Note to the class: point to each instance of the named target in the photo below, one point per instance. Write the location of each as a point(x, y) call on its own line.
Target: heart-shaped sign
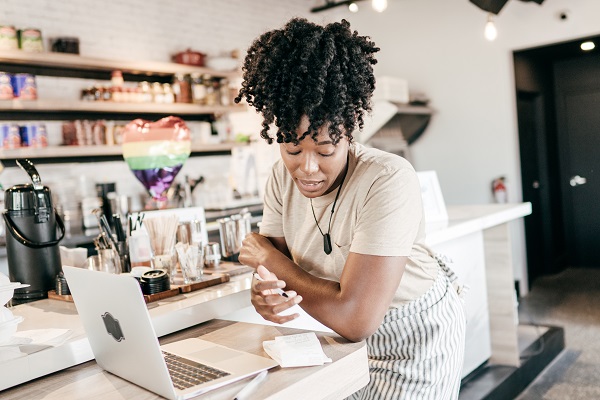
point(156, 151)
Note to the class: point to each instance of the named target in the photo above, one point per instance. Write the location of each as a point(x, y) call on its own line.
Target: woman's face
point(316, 167)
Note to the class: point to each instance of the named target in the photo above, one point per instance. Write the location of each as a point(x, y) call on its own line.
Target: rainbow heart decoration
point(156, 151)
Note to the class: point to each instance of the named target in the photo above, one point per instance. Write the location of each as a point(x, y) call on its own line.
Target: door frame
point(533, 70)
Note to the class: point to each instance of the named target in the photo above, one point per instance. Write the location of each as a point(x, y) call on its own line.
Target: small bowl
point(222, 63)
point(8, 324)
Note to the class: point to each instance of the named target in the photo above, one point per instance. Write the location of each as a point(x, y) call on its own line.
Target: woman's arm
point(354, 307)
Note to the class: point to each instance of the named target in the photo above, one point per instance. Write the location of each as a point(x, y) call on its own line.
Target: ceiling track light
point(332, 4)
point(494, 6)
point(378, 5)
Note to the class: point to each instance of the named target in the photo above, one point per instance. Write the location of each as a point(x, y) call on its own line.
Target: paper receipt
point(299, 350)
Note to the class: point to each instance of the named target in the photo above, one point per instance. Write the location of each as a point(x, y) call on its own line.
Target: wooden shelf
point(48, 105)
point(76, 66)
point(97, 153)
point(410, 109)
point(74, 61)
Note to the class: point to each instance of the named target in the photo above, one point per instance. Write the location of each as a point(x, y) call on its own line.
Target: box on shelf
point(391, 89)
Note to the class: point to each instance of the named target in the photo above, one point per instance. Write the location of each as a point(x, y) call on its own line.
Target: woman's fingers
point(270, 306)
point(268, 298)
point(265, 274)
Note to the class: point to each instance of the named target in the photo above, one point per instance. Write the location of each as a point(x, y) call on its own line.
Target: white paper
point(299, 350)
point(48, 337)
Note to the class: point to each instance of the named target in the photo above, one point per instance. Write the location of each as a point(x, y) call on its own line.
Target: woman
point(343, 226)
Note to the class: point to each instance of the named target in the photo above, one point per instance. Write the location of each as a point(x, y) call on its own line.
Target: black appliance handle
point(20, 237)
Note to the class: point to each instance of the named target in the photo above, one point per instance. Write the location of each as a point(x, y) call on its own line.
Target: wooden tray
point(149, 298)
point(64, 297)
point(230, 268)
point(206, 281)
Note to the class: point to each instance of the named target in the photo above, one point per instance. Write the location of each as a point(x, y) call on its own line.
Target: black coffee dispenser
point(33, 232)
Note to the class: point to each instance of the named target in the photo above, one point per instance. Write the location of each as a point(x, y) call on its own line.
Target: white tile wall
point(140, 30)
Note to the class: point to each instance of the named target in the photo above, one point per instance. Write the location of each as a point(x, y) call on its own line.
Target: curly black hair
point(323, 72)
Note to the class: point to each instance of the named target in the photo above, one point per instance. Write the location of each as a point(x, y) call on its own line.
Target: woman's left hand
point(255, 250)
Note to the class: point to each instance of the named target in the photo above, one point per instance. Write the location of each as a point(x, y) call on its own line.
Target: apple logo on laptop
point(113, 327)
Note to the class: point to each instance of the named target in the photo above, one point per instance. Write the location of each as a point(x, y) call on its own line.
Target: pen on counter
point(279, 291)
point(251, 386)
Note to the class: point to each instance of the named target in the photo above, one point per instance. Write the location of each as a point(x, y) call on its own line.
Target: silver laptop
point(123, 340)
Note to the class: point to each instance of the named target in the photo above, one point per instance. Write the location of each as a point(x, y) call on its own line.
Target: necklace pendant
point(327, 243)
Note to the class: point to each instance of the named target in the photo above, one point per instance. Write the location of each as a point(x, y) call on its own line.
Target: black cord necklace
point(326, 236)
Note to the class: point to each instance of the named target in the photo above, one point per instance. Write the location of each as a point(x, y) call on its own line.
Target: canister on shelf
point(42, 136)
point(31, 40)
point(8, 38)
point(24, 86)
point(11, 137)
point(65, 45)
point(28, 135)
point(6, 89)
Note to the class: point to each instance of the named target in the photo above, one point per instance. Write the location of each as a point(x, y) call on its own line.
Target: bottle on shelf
point(181, 89)
point(116, 78)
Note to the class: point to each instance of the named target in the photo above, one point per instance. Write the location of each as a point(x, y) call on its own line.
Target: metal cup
point(189, 232)
point(232, 231)
point(212, 255)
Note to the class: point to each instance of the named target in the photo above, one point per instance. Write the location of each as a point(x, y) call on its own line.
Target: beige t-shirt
point(378, 212)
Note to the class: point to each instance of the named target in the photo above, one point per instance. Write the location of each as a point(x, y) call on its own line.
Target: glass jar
point(146, 91)
point(211, 93)
point(224, 98)
point(169, 96)
point(198, 89)
point(157, 93)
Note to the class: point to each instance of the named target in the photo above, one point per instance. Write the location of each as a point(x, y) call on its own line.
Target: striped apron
point(417, 352)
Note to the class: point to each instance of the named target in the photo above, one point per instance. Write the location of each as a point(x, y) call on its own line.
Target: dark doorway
point(553, 104)
point(577, 96)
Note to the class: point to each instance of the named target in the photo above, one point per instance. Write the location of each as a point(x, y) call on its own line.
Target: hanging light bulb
point(587, 46)
point(490, 32)
point(353, 7)
point(379, 5)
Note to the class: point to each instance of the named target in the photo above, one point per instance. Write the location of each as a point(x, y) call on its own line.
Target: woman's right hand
point(267, 299)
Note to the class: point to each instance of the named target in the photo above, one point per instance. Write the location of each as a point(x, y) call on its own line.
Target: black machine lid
point(23, 197)
point(34, 196)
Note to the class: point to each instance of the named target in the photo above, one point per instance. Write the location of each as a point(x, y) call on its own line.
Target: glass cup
point(93, 263)
point(167, 262)
point(191, 261)
point(107, 260)
point(110, 261)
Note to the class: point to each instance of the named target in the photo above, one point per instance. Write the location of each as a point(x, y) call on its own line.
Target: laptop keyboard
point(186, 373)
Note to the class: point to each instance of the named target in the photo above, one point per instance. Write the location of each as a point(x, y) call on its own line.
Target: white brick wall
point(152, 29)
point(142, 30)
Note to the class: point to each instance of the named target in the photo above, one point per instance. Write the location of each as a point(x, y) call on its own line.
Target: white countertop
point(18, 365)
point(24, 363)
point(466, 219)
